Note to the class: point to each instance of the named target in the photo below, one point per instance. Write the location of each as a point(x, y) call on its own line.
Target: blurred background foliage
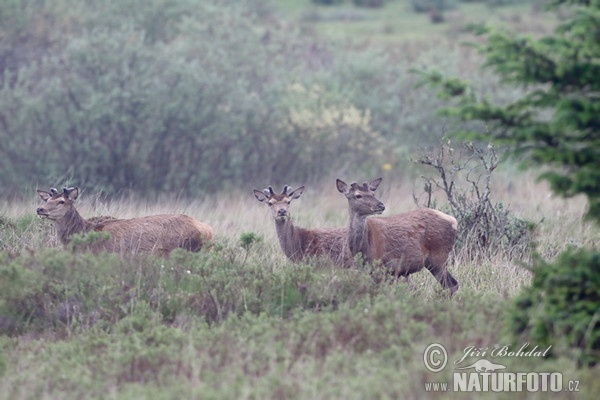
point(189, 96)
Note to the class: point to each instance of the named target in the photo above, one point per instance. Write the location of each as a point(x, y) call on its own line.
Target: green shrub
point(146, 100)
point(133, 112)
point(562, 307)
point(55, 290)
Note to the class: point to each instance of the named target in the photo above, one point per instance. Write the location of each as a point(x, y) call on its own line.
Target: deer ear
point(287, 190)
point(342, 186)
point(296, 193)
point(260, 196)
point(71, 193)
point(44, 195)
point(375, 184)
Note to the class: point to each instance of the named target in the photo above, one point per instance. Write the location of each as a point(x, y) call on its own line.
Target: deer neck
point(71, 224)
point(358, 235)
point(290, 239)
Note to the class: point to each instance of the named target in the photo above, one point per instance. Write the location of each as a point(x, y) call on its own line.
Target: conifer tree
point(556, 124)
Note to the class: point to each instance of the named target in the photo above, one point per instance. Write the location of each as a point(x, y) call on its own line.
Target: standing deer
point(299, 243)
point(404, 243)
point(159, 234)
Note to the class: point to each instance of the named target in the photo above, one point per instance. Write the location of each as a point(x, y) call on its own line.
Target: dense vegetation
point(192, 96)
point(185, 96)
point(555, 124)
point(242, 321)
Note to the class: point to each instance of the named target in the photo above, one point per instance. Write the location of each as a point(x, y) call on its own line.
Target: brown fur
point(300, 243)
point(404, 243)
point(159, 234)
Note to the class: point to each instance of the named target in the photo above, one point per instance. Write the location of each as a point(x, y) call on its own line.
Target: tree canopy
point(556, 124)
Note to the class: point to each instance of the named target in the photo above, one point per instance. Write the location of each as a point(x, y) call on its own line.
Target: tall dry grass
point(559, 222)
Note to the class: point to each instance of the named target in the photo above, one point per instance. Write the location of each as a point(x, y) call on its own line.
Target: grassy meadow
point(242, 322)
point(396, 23)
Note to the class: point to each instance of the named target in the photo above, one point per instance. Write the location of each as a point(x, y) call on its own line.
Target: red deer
point(159, 234)
point(300, 243)
point(404, 243)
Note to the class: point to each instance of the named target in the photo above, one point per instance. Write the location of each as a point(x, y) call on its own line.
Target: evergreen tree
point(557, 123)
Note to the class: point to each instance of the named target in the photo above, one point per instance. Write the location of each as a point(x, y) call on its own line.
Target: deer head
point(58, 203)
point(361, 198)
point(279, 203)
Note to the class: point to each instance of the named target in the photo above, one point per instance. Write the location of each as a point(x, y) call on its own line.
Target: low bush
point(485, 228)
point(562, 307)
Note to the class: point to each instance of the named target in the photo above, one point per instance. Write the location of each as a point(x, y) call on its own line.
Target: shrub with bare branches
point(485, 228)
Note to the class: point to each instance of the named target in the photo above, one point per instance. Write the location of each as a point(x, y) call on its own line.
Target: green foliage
point(562, 307)
point(80, 291)
point(236, 321)
point(247, 239)
point(555, 123)
point(137, 101)
point(198, 322)
point(146, 100)
point(85, 241)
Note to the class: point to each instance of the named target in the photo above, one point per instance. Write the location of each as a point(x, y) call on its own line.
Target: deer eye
point(359, 196)
point(61, 202)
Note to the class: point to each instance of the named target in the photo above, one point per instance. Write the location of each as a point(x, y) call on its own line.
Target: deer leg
point(443, 277)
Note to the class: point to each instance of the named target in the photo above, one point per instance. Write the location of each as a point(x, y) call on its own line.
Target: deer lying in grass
point(300, 243)
point(404, 243)
point(159, 234)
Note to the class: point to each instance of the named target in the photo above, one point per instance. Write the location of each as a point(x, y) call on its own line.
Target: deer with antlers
point(301, 243)
point(403, 243)
point(159, 234)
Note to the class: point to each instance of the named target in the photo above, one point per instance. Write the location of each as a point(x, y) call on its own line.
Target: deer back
point(406, 241)
point(411, 238)
point(157, 233)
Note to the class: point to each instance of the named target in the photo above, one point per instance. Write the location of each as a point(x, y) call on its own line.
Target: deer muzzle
point(379, 208)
